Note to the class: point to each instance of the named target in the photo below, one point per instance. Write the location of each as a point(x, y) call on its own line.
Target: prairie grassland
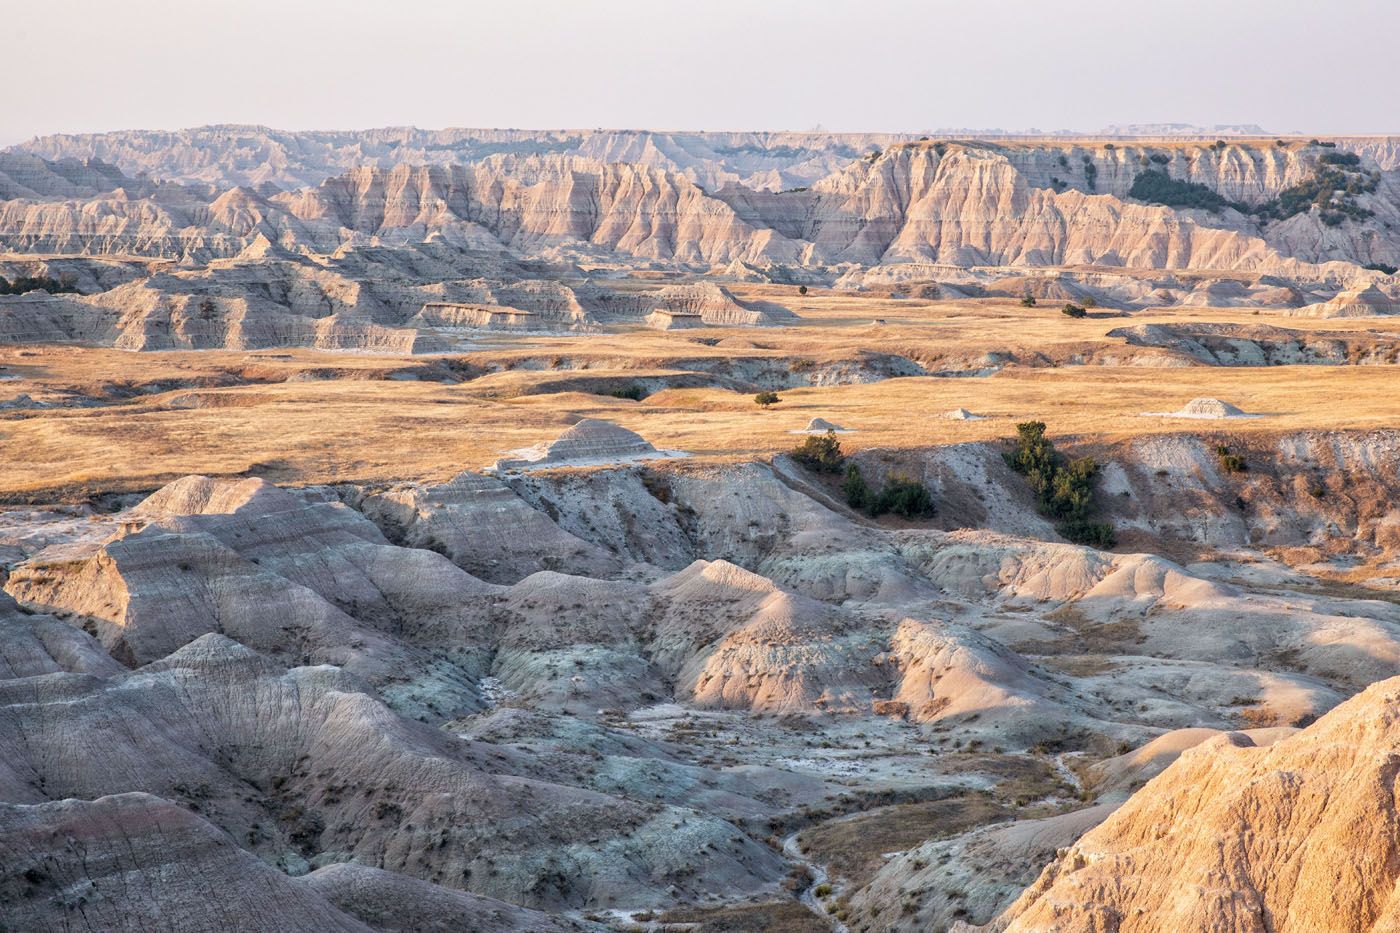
point(125, 421)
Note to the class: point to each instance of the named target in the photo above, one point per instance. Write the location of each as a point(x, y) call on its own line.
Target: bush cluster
point(1064, 490)
point(23, 284)
point(1157, 187)
point(1230, 462)
point(820, 453)
point(900, 496)
point(764, 399)
point(1072, 310)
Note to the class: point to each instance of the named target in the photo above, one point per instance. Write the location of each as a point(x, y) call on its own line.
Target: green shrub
point(764, 399)
point(1090, 534)
point(1381, 267)
point(802, 289)
point(634, 392)
point(904, 497)
point(1073, 311)
point(1230, 462)
point(1064, 491)
point(1339, 158)
point(820, 453)
point(855, 489)
point(1028, 301)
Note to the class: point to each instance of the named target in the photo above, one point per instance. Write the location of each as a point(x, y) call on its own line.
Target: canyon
point(651, 531)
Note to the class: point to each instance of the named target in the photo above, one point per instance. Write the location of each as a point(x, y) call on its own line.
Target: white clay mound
point(1205, 408)
point(821, 426)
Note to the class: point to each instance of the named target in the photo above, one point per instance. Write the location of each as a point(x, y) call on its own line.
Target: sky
point(1315, 66)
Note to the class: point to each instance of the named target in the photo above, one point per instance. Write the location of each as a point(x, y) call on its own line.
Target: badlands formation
point(505, 530)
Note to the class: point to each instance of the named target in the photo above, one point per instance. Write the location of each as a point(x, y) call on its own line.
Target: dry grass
point(853, 848)
point(780, 917)
point(360, 425)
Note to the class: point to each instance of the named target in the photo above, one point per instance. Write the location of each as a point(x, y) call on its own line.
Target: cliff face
point(914, 211)
point(257, 155)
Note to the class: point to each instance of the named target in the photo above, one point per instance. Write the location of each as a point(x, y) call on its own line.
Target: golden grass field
point(307, 416)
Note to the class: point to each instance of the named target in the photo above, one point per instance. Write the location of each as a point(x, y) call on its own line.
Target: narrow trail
point(1066, 772)
point(819, 877)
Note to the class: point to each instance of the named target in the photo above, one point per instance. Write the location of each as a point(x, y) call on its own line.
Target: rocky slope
point(1298, 835)
point(337, 698)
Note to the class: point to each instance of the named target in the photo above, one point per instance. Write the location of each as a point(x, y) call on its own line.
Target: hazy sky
point(1325, 66)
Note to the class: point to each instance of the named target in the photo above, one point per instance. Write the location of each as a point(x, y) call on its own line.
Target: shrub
point(1381, 267)
point(802, 289)
point(1230, 462)
point(1161, 158)
point(903, 497)
point(855, 489)
point(764, 399)
point(634, 392)
point(1090, 534)
point(1089, 301)
point(1028, 301)
point(820, 453)
point(1340, 158)
point(1073, 311)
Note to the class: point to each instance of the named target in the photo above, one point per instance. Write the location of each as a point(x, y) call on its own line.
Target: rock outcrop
point(1291, 837)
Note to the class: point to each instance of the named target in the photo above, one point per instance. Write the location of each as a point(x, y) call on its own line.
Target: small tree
point(1090, 301)
point(820, 453)
point(1028, 301)
point(765, 399)
point(802, 289)
point(855, 490)
point(1074, 311)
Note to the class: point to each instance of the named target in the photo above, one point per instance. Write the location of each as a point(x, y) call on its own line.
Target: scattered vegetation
point(766, 399)
point(1381, 267)
point(1028, 301)
point(1161, 158)
point(23, 284)
point(1332, 188)
point(1072, 310)
point(900, 495)
point(1091, 174)
point(1230, 462)
point(1064, 490)
point(820, 453)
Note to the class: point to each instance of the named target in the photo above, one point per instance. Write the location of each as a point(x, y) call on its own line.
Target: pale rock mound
point(590, 442)
point(1205, 408)
point(962, 414)
point(821, 426)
